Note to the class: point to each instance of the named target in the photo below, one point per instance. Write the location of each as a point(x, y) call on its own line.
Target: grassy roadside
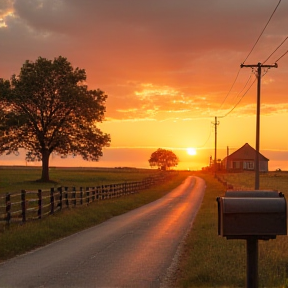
point(212, 261)
point(20, 239)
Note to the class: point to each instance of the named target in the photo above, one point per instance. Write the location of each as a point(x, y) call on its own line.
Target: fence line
point(230, 186)
point(32, 205)
point(224, 182)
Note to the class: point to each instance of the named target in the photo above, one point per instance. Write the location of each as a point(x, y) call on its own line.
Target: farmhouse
point(244, 159)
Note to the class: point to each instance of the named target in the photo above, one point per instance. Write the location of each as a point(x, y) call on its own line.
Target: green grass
point(271, 180)
point(209, 260)
point(19, 239)
point(14, 179)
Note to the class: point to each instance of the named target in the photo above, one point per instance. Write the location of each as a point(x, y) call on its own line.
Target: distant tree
point(163, 159)
point(48, 108)
point(2, 118)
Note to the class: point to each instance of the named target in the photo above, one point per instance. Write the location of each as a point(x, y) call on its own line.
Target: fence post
point(66, 197)
point(39, 204)
point(115, 190)
point(98, 192)
point(106, 191)
point(52, 201)
point(93, 193)
point(122, 189)
point(23, 205)
point(87, 195)
point(109, 191)
point(81, 195)
point(74, 196)
point(60, 197)
point(8, 208)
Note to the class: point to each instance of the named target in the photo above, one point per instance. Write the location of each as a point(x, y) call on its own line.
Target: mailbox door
point(249, 216)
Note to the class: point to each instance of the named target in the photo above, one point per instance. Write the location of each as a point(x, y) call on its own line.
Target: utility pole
point(252, 242)
point(259, 67)
point(227, 158)
point(216, 123)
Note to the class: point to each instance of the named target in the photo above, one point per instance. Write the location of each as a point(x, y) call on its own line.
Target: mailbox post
point(252, 262)
point(252, 216)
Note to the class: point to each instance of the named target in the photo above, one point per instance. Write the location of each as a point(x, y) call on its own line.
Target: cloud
point(5, 10)
point(189, 51)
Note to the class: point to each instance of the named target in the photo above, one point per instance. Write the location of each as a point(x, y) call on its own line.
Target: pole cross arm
point(260, 65)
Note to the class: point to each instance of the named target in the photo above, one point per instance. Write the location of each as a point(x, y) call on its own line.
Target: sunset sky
point(167, 67)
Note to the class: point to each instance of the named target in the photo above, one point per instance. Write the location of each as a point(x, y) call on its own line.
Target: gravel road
point(137, 249)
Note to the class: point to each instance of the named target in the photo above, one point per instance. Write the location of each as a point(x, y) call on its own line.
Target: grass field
point(271, 180)
point(14, 179)
point(208, 260)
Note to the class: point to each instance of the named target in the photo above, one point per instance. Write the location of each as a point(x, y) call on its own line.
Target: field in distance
point(14, 178)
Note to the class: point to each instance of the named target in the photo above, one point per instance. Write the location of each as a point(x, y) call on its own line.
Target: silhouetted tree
point(48, 108)
point(163, 159)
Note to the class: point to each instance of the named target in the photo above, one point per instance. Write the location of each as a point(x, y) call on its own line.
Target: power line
point(281, 56)
point(230, 89)
point(238, 101)
point(238, 95)
point(262, 32)
point(207, 139)
point(216, 123)
point(244, 93)
point(245, 61)
point(275, 50)
point(244, 85)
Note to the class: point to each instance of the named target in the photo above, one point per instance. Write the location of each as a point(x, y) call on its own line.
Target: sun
point(191, 151)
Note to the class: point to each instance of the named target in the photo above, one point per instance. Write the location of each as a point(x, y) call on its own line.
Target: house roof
point(246, 152)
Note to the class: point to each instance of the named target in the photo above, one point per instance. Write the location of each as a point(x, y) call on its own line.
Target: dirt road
point(136, 249)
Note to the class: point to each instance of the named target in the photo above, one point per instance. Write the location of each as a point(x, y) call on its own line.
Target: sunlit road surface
point(137, 249)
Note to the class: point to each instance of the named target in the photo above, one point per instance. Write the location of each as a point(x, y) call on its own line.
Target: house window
point(249, 165)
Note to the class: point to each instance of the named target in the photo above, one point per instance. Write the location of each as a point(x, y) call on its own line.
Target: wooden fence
point(227, 185)
point(32, 205)
point(230, 186)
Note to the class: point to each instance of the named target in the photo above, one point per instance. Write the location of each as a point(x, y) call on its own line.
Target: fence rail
point(32, 205)
point(230, 186)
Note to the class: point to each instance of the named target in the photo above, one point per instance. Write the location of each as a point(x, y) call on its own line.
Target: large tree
point(49, 108)
point(163, 159)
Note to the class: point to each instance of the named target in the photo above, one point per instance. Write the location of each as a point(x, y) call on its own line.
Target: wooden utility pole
point(216, 123)
point(252, 242)
point(259, 67)
point(227, 159)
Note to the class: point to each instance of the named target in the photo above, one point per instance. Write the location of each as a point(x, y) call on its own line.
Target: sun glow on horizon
point(191, 151)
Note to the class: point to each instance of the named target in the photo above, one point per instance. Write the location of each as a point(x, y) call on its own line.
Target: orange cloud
point(167, 66)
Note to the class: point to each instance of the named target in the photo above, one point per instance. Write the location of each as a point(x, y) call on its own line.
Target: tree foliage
point(49, 108)
point(163, 159)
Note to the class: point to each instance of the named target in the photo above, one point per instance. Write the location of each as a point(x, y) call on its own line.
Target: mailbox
point(252, 213)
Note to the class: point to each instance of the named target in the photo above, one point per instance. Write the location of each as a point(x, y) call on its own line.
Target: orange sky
point(167, 67)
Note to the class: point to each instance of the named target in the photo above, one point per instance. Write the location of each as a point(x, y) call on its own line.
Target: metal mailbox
point(242, 214)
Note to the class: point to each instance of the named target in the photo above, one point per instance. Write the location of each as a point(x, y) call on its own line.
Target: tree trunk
point(45, 166)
